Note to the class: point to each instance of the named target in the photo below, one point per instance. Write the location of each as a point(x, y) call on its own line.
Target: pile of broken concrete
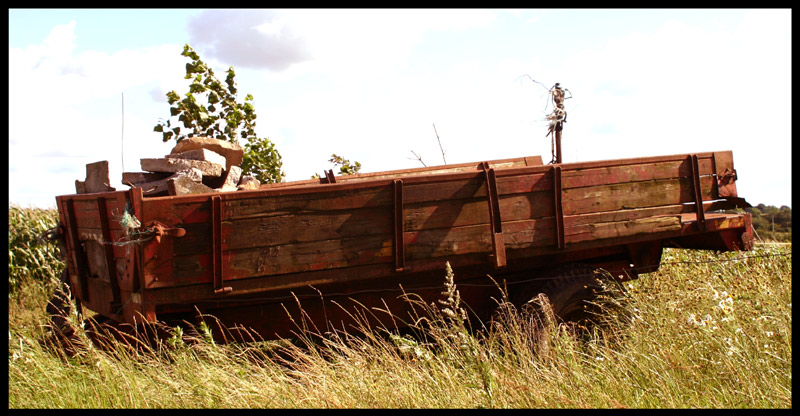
point(196, 165)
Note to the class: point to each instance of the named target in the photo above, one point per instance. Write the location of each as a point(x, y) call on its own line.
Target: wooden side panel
point(108, 269)
point(296, 230)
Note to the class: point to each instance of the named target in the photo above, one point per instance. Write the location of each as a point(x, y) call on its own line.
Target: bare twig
point(440, 143)
point(549, 91)
point(529, 77)
point(418, 158)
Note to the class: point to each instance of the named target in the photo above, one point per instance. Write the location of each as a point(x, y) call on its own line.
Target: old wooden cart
point(343, 242)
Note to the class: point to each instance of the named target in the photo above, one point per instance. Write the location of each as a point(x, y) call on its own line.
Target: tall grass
point(705, 331)
point(28, 258)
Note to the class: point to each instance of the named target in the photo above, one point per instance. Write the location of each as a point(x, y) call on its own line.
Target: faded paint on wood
point(86, 214)
point(631, 173)
point(293, 204)
point(632, 195)
point(347, 227)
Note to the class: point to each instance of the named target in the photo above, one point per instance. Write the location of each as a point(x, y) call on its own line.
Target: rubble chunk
point(226, 188)
point(199, 154)
point(231, 180)
point(142, 177)
point(248, 182)
point(177, 165)
point(161, 186)
point(233, 176)
point(96, 179)
point(232, 152)
point(186, 186)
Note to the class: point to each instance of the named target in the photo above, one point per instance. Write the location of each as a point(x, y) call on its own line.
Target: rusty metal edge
point(399, 231)
point(698, 196)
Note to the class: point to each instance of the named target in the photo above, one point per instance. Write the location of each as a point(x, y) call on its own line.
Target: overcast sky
point(370, 84)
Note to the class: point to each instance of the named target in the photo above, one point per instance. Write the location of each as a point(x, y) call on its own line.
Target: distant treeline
point(772, 223)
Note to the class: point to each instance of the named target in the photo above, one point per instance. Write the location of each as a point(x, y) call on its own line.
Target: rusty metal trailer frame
point(249, 257)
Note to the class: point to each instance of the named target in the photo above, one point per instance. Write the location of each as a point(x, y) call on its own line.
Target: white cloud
point(60, 101)
point(685, 89)
point(247, 39)
point(346, 82)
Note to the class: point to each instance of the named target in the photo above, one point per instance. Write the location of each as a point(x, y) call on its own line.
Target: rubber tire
point(570, 294)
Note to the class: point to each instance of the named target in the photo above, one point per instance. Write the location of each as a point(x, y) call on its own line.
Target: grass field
point(705, 331)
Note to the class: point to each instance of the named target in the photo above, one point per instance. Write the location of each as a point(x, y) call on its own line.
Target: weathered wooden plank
point(306, 227)
point(631, 173)
point(613, 229)
point(172, 211)
point(312, 201)
point(464, 167)
point(86, 214)
point(96, 234)
point(625, 214)
point(632, 195)
point(463, 212)
point(473, 187)
point(318, 255)
point(448, 242)
point(453, 168)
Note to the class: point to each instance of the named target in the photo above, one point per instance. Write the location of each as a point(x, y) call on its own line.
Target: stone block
point(96, 179)
point(249, 182)
point(232, 177)
point(186, 186)
point(177, 165)
point(161, 187)
point(199, 154)
point(232, 152)
point(226, 188)
point(133, 178)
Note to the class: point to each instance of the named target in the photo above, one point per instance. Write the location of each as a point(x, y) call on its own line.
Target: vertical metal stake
point(495, 221)
point(399, 227)
point(216, 245)
point(559, 209)
point(698, 196)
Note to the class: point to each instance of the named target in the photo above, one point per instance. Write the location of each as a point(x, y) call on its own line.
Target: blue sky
point(369, 85)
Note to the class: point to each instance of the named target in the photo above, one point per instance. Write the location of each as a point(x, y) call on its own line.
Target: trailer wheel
point(570, 295)
point(61, 332)
point(60, 305)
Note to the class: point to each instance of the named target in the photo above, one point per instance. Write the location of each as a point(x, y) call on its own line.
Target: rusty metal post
point(559, 127)
point(399, 230)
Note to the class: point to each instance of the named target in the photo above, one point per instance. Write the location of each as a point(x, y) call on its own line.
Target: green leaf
point(172, 97)
point(159, 128)
point(197, 87)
